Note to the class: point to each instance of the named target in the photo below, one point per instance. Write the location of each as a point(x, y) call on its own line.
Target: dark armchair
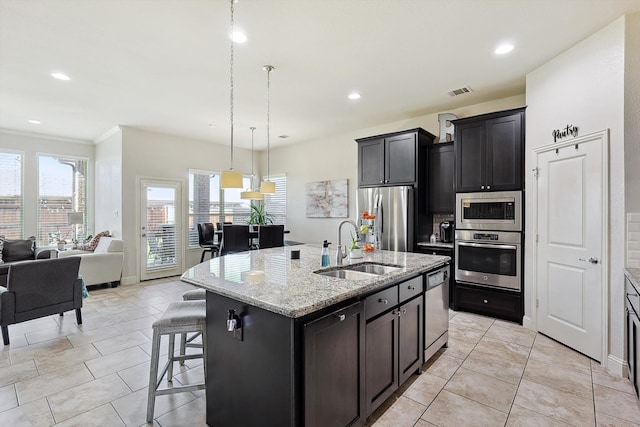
point(40, 288)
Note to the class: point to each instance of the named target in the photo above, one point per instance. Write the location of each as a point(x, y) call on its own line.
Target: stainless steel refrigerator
point(392, 228)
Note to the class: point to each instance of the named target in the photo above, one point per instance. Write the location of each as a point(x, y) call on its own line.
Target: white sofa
point(103, 265)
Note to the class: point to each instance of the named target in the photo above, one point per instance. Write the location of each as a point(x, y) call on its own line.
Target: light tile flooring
point(493, 373)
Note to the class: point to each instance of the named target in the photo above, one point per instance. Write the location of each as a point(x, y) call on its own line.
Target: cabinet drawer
point(380, 302)
point(410, 288)
point(476, 299)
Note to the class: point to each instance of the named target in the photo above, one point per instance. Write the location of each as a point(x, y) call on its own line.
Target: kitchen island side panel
point(250, 382)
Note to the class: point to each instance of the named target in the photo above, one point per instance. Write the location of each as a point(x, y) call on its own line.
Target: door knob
point(144, 234)
point(593, 260)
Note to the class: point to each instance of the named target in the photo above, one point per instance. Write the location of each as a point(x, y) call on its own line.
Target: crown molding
point(44, 136)
point(108, 134)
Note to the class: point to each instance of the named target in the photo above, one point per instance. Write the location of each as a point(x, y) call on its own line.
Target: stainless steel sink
point(372, 268)
point(359, 271)
point(347, 274)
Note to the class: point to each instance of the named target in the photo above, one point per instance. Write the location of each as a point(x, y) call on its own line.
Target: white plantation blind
point(11, 197)
point(276, 204)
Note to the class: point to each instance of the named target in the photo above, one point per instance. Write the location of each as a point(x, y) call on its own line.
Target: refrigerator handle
point(380, 214)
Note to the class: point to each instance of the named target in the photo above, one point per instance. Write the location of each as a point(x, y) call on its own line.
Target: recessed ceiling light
point(211, 125)
point(354, 95)
point(502, 49)
point(60, 76)
point(34, 122)
point(238, 37)
point(283, 136)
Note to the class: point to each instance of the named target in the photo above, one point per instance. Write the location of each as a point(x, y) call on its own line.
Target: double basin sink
point(360, 271)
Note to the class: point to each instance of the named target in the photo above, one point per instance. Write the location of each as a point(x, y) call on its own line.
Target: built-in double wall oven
point(488, 239)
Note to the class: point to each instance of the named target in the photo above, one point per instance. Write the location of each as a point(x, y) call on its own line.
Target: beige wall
point(108, 186)
point(585, 86)
point(337, 158)
point(166, 157)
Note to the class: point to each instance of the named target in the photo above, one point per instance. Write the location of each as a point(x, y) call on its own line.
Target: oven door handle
point(487, 245)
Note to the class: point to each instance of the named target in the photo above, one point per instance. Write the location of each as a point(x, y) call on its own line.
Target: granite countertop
point(633, 274)
point(271, 280)
point(436, 245)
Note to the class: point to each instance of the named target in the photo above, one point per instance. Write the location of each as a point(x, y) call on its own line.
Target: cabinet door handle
point(382, 181)
point(486, 301)
point(488, 187)
point(341, 317)
point(482, 187)
point(384, 301)
point(411, 288)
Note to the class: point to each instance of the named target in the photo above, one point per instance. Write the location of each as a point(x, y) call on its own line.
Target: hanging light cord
point(268, 68)
point(231, 80)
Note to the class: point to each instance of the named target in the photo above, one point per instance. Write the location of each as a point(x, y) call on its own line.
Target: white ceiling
point(163, 65)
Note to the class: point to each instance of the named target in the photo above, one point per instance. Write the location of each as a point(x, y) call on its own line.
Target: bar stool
point(185, 341)
point(179, 318)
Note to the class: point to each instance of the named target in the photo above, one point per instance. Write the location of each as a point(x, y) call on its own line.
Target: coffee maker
point(446, 231)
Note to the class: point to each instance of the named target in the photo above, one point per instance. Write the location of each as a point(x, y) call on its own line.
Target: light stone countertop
point(633, 274)
point(271, 280)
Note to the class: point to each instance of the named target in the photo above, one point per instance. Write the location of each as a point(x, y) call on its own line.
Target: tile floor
point(493, 373)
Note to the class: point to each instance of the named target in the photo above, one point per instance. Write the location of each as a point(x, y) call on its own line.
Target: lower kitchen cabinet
point(489, 302)
point(334, 368)
point(633, 333)
point(394, 340)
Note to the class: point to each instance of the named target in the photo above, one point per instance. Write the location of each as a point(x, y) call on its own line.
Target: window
point(11, 201)
point(62, 189)
point(276, 204)
point(208, 203)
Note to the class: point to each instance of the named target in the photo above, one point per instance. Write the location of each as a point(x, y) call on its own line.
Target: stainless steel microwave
point(489, 211)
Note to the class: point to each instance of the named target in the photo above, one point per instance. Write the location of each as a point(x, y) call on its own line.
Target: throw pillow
point(91, 246)
point(18, 250)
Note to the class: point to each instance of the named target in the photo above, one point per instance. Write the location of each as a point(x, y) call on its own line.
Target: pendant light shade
point(231, 178)
point(250, 194)
point(266, 186)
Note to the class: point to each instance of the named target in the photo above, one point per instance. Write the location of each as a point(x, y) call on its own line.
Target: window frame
point(22, 155)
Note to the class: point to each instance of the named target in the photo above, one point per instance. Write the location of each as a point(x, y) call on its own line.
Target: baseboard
point(131, 280)
point(617, 366)
point(527, 323)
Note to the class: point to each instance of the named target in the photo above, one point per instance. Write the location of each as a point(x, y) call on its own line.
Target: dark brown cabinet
point(441, 171)
point(390, 159)
point(334, 369)
point(489, 302)
point(489, 152)
point(394, 339)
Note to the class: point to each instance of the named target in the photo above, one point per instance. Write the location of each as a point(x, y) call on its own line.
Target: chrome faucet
point(340, 254)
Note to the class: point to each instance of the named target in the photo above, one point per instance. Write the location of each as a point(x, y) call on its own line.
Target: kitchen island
point(286, 346)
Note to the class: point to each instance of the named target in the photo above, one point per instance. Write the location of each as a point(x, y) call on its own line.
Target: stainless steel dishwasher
point(436, 312)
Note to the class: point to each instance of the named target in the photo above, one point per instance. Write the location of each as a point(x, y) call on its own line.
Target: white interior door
point(571, 249)
point(160, 225)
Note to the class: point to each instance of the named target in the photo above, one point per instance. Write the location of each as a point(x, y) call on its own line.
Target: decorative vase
point(355, 253)
point(60, 246)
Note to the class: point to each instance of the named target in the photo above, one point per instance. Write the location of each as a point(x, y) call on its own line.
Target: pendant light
point(251, 194)
point(231, 178)
point(268, 187)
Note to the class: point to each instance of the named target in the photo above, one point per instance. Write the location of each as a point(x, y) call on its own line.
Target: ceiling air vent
point(460, 91)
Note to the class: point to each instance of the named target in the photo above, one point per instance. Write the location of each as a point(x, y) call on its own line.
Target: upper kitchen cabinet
point(441, 188)
point(489, 153)
point(390, 159)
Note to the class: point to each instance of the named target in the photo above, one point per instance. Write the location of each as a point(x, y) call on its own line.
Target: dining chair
point(270, 236)
point(235, 238)
point(206, 239)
